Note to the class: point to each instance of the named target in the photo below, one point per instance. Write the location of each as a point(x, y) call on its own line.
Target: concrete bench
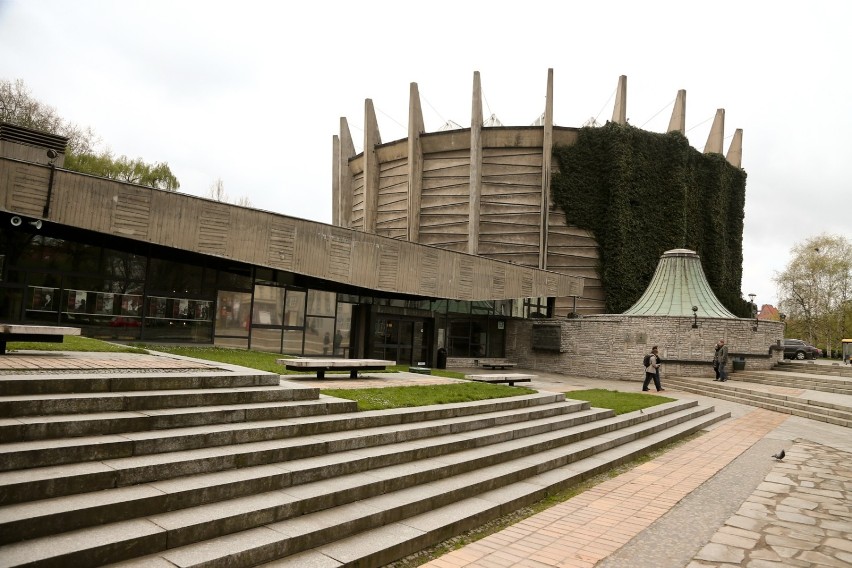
point(420, 370)
point(34, 333)
point(497, 365)
point(510, 378)
point(320, 366)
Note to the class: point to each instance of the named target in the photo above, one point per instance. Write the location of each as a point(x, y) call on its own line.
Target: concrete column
point(717, 134)
point(546, 159)
point(475, 166)
point(678, 120)
point(372, 138)
point(335, 180)
point(346, 152)
point(415, 162)
point(735, 150)
point(619, 111)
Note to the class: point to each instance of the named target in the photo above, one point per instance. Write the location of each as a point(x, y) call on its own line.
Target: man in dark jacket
point(722, 356)
point(652, 371)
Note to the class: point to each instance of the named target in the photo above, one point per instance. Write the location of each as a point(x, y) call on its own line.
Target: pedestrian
point(722, 356)
point(652, 371)
point(716, 359)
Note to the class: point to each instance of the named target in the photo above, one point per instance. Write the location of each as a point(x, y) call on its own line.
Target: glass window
point(266, 339)
point(318, 336)
point(268, 305)
point(343, 326)
point(124, 270)
point(294, 309)
point(235, 278)
point(175, 277)
point(232, 313)
point(321, 303)
point(293, 341)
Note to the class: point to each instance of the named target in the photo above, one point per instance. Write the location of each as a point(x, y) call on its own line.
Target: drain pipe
point(52, 155)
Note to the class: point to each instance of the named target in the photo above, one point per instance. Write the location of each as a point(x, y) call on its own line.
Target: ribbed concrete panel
point(281, 237)
point(358, 201)
point(30, 190)
point(132, 212)
point(678, 284)
point(392, 212)
point(215, 222)
point(444, 201)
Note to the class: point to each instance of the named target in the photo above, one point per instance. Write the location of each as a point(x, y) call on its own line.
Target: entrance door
point(401, 340)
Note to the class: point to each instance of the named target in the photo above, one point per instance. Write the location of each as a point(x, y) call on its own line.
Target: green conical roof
point(678, 284)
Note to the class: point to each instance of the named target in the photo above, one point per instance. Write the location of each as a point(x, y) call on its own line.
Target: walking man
point(722, 355)
point(652, 371)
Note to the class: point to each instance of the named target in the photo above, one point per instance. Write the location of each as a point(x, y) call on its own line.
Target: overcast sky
point(252, 92)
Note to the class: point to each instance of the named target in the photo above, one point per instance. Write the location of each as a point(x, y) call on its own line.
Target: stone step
point(838, 370)
point(393, 541)
point(798, 380)
point(35, 518)
point(310, 436)
point(77, 425)
point(361, 501)
point(788, 404)
point(11, 385)
point(81, 403)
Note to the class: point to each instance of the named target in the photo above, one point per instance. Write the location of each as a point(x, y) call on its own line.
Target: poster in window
point(44, 299)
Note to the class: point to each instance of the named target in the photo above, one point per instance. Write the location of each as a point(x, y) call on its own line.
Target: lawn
point(620, 402)
point(424, 395)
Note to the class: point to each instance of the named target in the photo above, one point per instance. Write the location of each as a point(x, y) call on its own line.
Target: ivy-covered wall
point(642, 193)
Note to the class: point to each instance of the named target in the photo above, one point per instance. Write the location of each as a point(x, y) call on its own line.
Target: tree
point(18, 106)
point(137, 171)
point(815, 290)
point(217, 192)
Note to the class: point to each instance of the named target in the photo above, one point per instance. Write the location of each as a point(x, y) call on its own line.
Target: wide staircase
point(834, 370)
point(781, 390)
point(240, 469)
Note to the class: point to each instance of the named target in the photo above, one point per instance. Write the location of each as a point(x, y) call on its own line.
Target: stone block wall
point(612, 346)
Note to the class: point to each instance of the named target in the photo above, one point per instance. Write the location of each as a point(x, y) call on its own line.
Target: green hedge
point(643, 193)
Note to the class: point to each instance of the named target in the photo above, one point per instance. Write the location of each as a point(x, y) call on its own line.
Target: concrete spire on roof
point(678, 284)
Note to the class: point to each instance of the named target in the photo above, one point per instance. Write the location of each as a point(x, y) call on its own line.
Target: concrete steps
point(836, 370)
point(733, 391)
point(219, 491)
point(797, 378)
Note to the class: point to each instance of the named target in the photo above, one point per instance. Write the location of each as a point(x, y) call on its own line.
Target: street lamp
point(694, 317)
point(753, 310)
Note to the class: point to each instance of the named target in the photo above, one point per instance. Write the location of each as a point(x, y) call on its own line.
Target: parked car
point(798, 349)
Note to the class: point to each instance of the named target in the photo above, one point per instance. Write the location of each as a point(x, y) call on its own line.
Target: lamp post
point(753, 310)
point(694, 317)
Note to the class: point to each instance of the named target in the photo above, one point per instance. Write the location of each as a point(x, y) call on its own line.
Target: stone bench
point(497, 365)
point(420, 370)
point(34, 333)
point(320, 366)
point(510, 378)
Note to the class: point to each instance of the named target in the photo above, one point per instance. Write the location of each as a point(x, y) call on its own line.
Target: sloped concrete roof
point(678, 284)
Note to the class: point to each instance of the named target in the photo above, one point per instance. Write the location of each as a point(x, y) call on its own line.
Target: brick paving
point(67, 361)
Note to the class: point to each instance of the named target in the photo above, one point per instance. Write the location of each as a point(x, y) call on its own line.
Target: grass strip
point(620, 402)
point(424, 395)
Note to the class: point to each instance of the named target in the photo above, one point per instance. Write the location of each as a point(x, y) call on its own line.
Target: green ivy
point(642, 193)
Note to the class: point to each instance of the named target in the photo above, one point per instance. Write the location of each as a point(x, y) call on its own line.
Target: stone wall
point(612, 346)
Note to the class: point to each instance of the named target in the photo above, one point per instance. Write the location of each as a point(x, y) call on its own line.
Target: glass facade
point(126, 290)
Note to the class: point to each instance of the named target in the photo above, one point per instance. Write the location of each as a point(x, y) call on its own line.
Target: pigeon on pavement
point(779, 456)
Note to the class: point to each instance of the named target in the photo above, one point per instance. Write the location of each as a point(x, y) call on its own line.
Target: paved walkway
point(719, 500)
